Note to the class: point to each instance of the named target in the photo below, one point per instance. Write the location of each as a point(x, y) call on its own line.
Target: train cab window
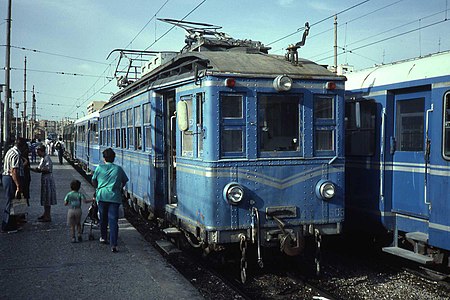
point(200, 131)
point(446, 142)
point(278, 123)
point(324, 125)
point(147, 127)
point(187, 135)
point(360, 128)
point(323, 108)
point(137, 128)
point(232, 125)
point(231, 106)
point(410, 125)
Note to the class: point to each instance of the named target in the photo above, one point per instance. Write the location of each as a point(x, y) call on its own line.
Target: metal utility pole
point(24, 121)
point(33, 114)
point(6, 122)
point(335, 44)
point(17, 120)
point(1, 119)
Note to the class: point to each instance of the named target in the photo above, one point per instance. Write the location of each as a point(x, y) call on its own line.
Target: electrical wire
point(173, 26)
point(56, 54)
point(318, 22)
point(153, 17)
point(386, 39)
point(378, 34)
point(55, 72)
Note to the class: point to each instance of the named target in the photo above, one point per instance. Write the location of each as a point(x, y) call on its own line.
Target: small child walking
point(74, 198)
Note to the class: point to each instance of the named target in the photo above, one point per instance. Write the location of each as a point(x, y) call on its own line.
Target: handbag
point(18, 206)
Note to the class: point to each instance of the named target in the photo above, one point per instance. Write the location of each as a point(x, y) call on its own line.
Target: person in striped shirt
point(12, 170)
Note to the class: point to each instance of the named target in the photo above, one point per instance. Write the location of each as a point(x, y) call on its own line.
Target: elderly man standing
point(12, 168)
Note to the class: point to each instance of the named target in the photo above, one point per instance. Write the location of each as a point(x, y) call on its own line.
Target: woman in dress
point(48, 190)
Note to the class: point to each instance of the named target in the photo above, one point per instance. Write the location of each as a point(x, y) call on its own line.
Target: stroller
point(91, 219)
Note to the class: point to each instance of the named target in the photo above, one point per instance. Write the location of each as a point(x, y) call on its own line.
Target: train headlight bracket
point(233, 193)
point(325, 189)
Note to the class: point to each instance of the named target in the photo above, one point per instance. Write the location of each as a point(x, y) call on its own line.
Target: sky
point(66, 42)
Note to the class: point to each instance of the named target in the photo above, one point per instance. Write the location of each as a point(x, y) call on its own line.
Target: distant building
point(341, 69)
point(94, 106)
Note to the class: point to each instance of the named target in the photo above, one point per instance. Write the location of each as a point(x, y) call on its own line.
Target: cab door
point(408, 149)
point(170, 146)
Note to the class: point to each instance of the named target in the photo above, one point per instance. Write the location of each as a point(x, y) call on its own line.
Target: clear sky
point(66, 42)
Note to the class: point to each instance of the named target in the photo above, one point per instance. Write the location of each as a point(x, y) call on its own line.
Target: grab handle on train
point(393, 145)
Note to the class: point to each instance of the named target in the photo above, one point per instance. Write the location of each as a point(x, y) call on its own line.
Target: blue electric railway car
point(232, 145)
point(398, 155)
point(86, 148)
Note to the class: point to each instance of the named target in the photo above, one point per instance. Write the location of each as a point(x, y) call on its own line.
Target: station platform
point(40, 262)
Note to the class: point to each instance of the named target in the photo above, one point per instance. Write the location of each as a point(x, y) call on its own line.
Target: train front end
point(262, 158)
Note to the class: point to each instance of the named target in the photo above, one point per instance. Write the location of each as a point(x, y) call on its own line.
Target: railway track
point(347, 273)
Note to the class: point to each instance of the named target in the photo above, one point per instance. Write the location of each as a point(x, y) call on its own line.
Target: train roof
point(232, 62)
point(432, 66)
point(91, 116)
point(238, 61)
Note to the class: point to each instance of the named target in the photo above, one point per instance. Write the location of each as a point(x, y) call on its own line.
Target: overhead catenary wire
point(56, 54)
point(173, 26)
point(384, 32)
point(318, 22)
point(189, 13)
point(54, 72)
point(347, 22)
point(387, 38)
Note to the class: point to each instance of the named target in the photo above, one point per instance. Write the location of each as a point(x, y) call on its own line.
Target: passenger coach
point(232, 145)
point(86, 148)
point(398, 155)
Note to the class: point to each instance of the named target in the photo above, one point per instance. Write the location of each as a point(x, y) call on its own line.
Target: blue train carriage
point(68, 137)
point(86, 149)
point(232, 145)
point(398, 155)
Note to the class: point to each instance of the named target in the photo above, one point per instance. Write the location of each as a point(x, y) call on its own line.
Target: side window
point(446, 131)
point(324, 125)
point(410, 125)
point(117, 126)
point(137, 128)
point(147, 127)
point(94, 132)
point(232, 125)
point(360, 128)
point(107, 131)
point(278, 123)
point(123, 119)
point(130, 132)
point(187, 135)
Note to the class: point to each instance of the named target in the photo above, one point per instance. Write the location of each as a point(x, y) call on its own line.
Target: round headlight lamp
point(325, 189)
point(282, 83)
point(233, 193)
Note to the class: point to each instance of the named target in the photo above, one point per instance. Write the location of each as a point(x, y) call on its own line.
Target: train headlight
point(282, 83)
point(233, 193)
point(325, 189)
